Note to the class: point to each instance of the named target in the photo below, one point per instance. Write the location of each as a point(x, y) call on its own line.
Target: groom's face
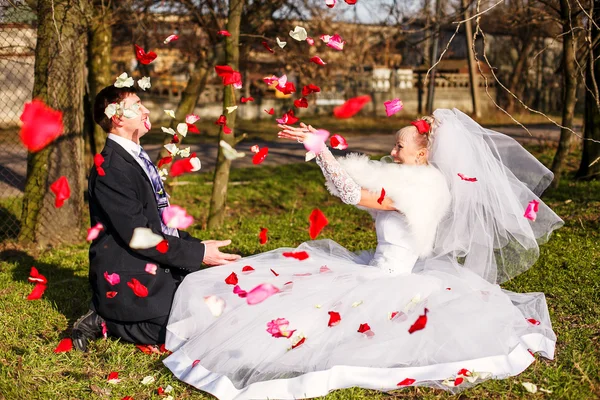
point(138, 125)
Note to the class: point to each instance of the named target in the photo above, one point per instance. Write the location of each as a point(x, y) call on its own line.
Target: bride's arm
point(348, 190)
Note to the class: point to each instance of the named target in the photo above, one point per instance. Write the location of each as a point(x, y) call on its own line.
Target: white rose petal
point(530, 387)
point(191, 118)
point(280, 43)
point(185, 152)
point(172, 149)
point(111, 110)
point(196, 164)
point(144, 83)
point(124, 81)
point(182, 129)
point(215, 305)
point(231, 109)
point(170, 131)
point(168, 389)
point(170, 113)
point(229, 152)
point(148, 380)
point(309, 156)
point(144, 238)
point(357, 303)
point(299, 33)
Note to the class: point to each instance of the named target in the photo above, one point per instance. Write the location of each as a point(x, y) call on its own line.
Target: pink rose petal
point(393, 106)
point(177, 217)
point(151, 268)
point(113, 279)
point(261, 293)
point(94, 231)
point(315, 142)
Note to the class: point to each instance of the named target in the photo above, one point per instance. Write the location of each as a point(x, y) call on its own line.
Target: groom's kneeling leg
point(152, 331)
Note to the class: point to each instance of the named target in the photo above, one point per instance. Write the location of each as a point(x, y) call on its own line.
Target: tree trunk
point(434, 55)
point(515, 83)
point(473, 81)
point(590, 160)
point(221, 179)
point(570, 95)
point(189, 97)
point(99, 73)
point(59, 81)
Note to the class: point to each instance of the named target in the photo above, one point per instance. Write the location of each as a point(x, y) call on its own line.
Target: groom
point(132, 289)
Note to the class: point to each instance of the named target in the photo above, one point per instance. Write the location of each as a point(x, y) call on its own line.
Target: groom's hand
point(214, 257)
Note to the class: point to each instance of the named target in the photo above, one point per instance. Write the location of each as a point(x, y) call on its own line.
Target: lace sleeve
point(348, 190)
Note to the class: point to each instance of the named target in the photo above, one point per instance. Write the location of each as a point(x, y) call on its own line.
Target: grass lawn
point(281, 198)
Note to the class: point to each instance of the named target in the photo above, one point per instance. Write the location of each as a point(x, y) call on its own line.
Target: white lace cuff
point(348, 190)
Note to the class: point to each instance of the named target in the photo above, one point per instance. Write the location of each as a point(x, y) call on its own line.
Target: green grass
point(281, 198)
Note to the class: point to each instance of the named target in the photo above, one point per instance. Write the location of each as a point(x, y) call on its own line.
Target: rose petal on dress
point(61, 190)
point(458, 381)
point(298, 341)
point(177, 217)
point(351, 107)
point(364, 328)
point(274, 273)
point(113, 378)
point(301, 103)
point(144, 238)
point(420, 323)
point(393, 106)
point(533, 321)
point(215, 305)
point(196, 362)
point(298, 255)
point(36, 277)
point(111, 295)
point(112, 279)
point(163, 246)
point(239, 291)
point(143, 57)
point(351, 2)
point(330, 3)
point(37, 292)
point(151, 268)
point(532, 210)
point(464, 178)
point(260, 293)
point(41, 125)
point(262, 236)
point(232, 279)
point(278, 328)
point(137, 287)
point(260, 156)
point(324, 269)
point(334, 318)
point(338, 142)
point(64, 345)
point(317, 221)
point(381, 196)
point(247, 269)
point(317, 60)
point(406, 382)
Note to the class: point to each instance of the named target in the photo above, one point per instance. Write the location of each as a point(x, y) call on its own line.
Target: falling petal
point(144, 238)
point(41, 125)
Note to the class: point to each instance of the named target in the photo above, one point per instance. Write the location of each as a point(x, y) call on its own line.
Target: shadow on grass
point(10, 226)
point(67, 291)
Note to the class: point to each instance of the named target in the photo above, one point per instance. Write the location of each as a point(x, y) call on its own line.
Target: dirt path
point(13, 157)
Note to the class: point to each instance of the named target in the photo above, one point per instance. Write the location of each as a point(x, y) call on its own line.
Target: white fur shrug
point(418, 192)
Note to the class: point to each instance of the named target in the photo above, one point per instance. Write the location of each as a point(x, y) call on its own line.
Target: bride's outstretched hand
point(294, 133)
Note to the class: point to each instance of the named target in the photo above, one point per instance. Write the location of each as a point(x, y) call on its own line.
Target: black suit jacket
point(121, 201)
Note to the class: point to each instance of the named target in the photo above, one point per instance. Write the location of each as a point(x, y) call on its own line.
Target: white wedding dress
point(474, 330)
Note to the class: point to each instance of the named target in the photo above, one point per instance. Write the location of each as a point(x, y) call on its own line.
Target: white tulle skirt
point(474, 329)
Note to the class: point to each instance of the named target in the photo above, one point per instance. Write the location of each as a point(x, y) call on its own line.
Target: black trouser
point(152, 331)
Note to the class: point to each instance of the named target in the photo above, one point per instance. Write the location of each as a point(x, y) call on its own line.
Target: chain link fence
point(17, 58)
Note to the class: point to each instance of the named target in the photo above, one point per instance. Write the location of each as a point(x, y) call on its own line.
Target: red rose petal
point(317, 221)
point(137, 287)
point(37, 292)
point(232, 279)
point(421, 125)
point(111, 295)
point(458, 381)
point(196, 362)
point(419, 323)
point(260, 156)
point(274, 273)
point(464, 372)
point(334, 318)
point(301, 103)
point(464, 178)
point(301, 341)
point(62, 191)
point(351, 107)
point(247, 268)
point(298, 255)
point(64, 345)
point(223, 33)
point(364, 328)
point(246, 99)
point(533, 321)
point(41, 125)
point(222, 120)
point(317, 60)
point(270, 112)
point(164, 161)
point(381, 196)
point(266, 46)
point(180, 167)
point(163, 246)
point(308, 89)
point(143, 57)
point(262, 236)
point(36, 277)
point(406, 382)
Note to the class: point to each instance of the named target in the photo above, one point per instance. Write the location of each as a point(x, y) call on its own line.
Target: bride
point(461, 213)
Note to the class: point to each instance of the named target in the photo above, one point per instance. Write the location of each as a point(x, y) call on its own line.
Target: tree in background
point(60, 83)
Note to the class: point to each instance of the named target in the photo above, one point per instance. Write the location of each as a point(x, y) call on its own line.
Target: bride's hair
point(424, 140)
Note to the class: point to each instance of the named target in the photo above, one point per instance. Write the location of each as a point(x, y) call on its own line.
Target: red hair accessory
point(421, 125)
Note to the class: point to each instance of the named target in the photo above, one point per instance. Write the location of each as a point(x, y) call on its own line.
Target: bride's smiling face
point(408, 148)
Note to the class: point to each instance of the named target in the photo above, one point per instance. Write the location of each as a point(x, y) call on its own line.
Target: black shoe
point(88, 327)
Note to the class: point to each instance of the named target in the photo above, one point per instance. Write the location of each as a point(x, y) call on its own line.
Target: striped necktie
point(160, 194)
